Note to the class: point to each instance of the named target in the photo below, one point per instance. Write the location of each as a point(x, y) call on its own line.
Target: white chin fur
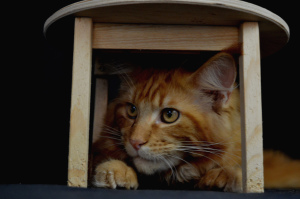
point(149, 167)
point(147, 164)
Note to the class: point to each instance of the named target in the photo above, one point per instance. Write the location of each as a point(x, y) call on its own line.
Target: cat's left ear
point(216, 78)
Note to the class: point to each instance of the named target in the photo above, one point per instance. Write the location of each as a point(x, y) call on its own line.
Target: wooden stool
point(185, 25)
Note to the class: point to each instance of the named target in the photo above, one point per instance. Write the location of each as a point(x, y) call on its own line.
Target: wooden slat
point(251, 113)
point(80, 104)
point(101, 97)
point(163, 37)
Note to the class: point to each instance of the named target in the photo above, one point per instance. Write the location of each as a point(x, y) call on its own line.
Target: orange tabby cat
point(178, 127)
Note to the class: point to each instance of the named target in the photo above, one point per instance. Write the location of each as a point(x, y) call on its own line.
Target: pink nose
point(137, 144)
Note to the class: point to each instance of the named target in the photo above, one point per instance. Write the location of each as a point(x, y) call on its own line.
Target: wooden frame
point(274, 31)
point(251, 110)
point(154, 37)
point(80, 104)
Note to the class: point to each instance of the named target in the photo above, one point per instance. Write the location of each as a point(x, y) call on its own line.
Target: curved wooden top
point(274, 32)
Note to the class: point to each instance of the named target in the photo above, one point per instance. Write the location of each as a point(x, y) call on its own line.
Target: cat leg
point(113, 174)
point(229, 180)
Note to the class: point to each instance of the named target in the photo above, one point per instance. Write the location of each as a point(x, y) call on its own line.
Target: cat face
point(167, 117)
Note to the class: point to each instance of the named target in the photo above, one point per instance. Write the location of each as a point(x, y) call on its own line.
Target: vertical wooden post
point(101, 97)
point(80, 104)
point(251, 113)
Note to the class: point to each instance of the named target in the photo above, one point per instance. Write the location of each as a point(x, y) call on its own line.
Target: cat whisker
point(176, 157)
point(210, 150)
point(202, 145)
point(128, 80)
point(109, 137)
point(196, 141)
point(217, 152)
point(116, 133)
point(111, 133)
point(124, 76)
point(207, 143)
point(170, 165)
point(207, 150)
point(207, 158)
point(111, 128)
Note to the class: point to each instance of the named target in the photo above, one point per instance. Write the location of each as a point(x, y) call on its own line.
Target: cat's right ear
point(216, 78)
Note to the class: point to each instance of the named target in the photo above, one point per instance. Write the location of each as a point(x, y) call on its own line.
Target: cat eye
point(131, 111)
point(169, 115)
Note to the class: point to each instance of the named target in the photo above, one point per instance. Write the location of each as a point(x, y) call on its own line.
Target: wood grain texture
point(80, 104)
point(163, 37)
point(101, 98)
point(274, 31)
point(251, 112)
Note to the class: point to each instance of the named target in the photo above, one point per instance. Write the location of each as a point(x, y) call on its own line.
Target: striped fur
point(202, 146)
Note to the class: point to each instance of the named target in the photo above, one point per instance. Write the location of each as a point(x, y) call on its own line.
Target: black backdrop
point(39, 108)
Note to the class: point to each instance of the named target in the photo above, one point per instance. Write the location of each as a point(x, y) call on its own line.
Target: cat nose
point(137, 144)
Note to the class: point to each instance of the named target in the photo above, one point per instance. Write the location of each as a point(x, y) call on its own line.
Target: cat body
point(176, 126)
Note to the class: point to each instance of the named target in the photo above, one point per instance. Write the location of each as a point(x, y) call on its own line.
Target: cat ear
point(216, 78)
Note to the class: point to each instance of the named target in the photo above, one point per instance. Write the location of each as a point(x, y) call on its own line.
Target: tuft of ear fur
point(216, 78)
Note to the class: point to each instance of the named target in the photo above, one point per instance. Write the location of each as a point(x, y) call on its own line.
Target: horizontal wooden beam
point(163, 37)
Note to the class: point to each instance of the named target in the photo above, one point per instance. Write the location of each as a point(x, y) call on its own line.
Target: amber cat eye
point(131, 111)
point(169, 115)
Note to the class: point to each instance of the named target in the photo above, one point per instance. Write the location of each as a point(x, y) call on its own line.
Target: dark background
point(37, 95)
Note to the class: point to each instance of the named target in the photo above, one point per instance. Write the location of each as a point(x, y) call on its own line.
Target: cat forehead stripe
point(154, 90)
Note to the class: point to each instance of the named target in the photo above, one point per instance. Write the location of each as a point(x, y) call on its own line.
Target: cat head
point(169, 116)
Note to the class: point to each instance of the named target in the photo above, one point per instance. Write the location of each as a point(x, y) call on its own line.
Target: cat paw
point(228, 180)
point(113, 174)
